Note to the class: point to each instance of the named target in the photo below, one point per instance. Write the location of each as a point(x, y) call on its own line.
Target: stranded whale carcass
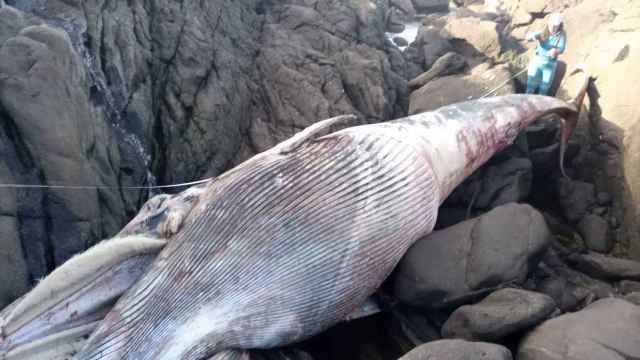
point(279, 248)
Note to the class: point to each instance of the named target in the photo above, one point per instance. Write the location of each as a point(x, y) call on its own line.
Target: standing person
point(551, 43)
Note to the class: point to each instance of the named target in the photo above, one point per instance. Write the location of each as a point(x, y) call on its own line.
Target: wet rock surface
point(51, 134)
point(570, 289)
point(505, 182)
point(458, 350)
point(406, 6)
point(448, 64)
point(605, 267)
point(500, 314)
point(595, 232)
point(576, 198)
point(607, 329)
point(427, 48)
point(455, 88)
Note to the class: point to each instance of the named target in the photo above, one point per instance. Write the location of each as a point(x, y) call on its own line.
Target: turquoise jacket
point(557, 40)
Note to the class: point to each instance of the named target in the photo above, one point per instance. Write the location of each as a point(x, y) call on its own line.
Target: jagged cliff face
point(123, 93)
point(211, 83)
point(52, 134)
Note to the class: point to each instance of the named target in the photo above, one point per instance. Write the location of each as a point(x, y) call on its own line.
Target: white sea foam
point(410, 33)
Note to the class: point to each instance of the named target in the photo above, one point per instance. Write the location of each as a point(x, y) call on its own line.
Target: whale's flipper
point(68, 304)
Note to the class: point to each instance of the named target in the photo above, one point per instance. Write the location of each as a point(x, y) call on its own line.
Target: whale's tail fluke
point(570, 122)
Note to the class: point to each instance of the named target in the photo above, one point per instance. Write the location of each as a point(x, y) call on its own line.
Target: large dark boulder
point(400, 41)
point(575, 197)
point(596, 234)
point(606, 267)
point(427, 48)
point(500, 314)
point(504, 179)
point(14, 273)
point(456, 88)
point(628, 286)
point(605, 330)
point(458, 350)
point(448, 64)
point(565, 294)
point(481, 36)
point(569, 288)
point(505, 182)
point(405, 6)
point(454, 265)
point(429, 6)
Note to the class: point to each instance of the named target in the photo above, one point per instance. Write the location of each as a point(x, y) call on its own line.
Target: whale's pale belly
point(278, 251)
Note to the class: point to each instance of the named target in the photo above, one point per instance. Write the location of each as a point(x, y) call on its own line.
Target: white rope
point(93, 187)
point(501, 85)
point(504, 83)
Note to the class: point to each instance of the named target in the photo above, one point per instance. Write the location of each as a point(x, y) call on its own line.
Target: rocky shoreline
point(202, 86)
